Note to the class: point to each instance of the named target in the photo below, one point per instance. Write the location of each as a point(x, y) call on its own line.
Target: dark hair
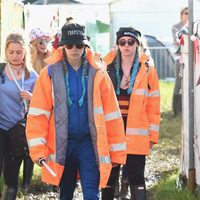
point(69, 19)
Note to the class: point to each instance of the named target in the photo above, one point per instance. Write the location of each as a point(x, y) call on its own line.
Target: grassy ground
point(166, 190)
point(168, 150)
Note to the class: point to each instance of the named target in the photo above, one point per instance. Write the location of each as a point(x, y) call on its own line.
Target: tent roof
point(45, 2)
point(94, 2)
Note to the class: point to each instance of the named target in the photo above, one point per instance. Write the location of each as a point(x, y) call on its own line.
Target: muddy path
point(164, 160)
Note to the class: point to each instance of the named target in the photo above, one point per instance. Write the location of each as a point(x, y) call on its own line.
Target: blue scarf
point(134, 71)
point(84, 65)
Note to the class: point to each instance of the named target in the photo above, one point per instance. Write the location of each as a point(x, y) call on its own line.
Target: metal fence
point(164, 62)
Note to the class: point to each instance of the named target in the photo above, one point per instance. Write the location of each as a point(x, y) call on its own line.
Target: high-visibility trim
point(113, 115)
point(137, 131)
point(36, 141)
point(104, 160)
point(155, 93)
point(123, 103)
point(38, 111)
point(154, 127)
point(109, 116)
point(118, 147)
point(140, 92)
point(98, 110)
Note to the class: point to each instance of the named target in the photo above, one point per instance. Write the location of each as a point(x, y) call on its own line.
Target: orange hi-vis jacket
point(47, 128)
point(143, 117)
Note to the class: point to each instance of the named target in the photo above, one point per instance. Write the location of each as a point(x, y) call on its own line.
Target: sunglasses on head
point(78, 46)
point(123, 42)
point(42, 41)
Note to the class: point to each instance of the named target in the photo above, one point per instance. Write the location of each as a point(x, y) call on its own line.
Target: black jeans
point(135, 166)
point(135, 169)
point(177, 94)
point(3, 147)
point(11, 170)
point(10, 164)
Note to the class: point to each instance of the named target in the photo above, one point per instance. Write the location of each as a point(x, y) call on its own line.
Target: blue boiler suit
point(80, 152)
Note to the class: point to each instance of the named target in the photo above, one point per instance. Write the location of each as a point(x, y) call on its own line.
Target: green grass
point(170, 126)
point(169, 145)
point(166, 190)
point(166, 92)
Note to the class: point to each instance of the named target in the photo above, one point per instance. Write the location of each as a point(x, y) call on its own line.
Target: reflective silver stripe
point(38, 111)
point(52, 157)
point(137, 131)
point(155, 93)
point(140, 92)
point(36, 141)
point(113, 115)
point(118, 147)
point(154, 127)
point(98, 110)
point(104, 160)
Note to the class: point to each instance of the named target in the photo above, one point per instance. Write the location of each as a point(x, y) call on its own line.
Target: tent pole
point(191, 170)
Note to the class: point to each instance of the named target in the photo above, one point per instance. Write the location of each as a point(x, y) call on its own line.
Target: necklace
point(21, 88)
point(129, 82)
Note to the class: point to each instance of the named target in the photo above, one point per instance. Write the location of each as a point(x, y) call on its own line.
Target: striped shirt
point(124, 100)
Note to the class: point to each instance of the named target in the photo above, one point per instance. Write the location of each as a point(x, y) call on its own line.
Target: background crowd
point(85, 115)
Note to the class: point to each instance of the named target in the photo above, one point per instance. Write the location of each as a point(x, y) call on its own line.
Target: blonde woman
point(39, 48)
point(16, 86)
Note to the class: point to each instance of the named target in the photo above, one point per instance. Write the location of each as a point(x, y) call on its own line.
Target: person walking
point(74, 122)
point(123, 190)
point(137, 89)
point(16, 85)
point(38, 43)
point(176, 28)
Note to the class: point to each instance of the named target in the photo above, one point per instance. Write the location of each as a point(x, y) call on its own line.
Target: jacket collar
point(93, 58)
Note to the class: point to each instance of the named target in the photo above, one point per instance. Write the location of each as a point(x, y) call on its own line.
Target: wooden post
point(191, 180)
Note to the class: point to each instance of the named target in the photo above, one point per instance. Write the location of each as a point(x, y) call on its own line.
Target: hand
point(39, 161)
point(26, 95)
point(151, 145)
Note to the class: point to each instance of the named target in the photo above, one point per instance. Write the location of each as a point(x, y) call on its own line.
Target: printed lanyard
point(24, 102)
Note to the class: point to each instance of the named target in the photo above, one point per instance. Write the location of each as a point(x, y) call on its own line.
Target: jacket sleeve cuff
point(154, 138)
point(118, 157)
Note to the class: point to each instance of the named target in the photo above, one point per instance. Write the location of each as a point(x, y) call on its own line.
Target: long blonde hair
point(19, 38)
point(36, 61)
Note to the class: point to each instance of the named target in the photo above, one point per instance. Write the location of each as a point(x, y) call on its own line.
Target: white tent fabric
point(184, 167)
